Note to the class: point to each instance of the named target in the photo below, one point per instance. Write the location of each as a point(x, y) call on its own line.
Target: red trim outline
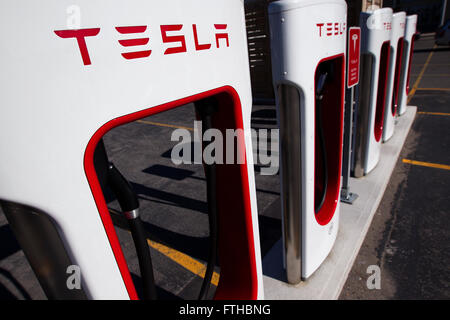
point(380, 104)
point(323, 217)
point(97, 193)
point(413, 39)
point(397, 75)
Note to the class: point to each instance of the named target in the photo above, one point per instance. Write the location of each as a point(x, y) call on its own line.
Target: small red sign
point(354, 50)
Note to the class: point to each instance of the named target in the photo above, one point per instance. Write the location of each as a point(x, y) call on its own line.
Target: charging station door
point(308, 41)
point(410, 32)
point(375, 49)
point(66, 82)
point(395, 65)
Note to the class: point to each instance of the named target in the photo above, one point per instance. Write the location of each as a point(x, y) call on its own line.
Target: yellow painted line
point(416, 84)
point(184, 260)
point(433, 75)
point(434, 64)
point(434, 113)
point(433, 89)
point(164, 125)
point(187, 262)
point(427, 164)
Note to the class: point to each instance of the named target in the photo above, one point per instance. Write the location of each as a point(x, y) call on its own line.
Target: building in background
point(258, 40)
point(356, 6)
point(431, 13)
point(368, 4)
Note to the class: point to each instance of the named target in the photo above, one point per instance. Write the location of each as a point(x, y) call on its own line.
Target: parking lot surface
point(409, 238)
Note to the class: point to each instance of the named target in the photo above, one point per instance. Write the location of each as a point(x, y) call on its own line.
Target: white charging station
point(410, 32)
point(64, 85)
point(308, 42)
point(375, 52)
point(395, 67)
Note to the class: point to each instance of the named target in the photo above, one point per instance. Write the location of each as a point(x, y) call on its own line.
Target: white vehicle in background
point(442, 36)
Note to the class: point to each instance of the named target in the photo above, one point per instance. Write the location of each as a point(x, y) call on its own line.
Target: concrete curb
point(327, 282)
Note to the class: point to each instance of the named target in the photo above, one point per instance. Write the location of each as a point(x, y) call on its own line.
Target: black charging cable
point(109, 175)
point(130, 208)
point(205, 109)
point(319, 201)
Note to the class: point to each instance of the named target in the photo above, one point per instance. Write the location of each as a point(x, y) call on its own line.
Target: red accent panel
point(398, 69)
point(131, 29)
point(411, 49)
point(197, 45)
point(382, 86)
point(332, 119)
point(80, 35)
point(238, 278)
point(169, 39)
point(354, 56)
point(137, 54)
point(134, 42)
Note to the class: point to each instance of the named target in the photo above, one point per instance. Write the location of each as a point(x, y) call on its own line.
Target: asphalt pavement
point(409, 239)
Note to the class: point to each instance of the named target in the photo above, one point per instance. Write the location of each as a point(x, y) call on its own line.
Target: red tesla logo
point(134, 42)
point(331, 28)
point(166, 33)
point(80, 35)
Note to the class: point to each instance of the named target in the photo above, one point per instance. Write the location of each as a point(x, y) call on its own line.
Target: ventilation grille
point(258, 38)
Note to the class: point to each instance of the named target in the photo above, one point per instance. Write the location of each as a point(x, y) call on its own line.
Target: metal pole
point(346, 195)
point(444, 8)
point(289, 115)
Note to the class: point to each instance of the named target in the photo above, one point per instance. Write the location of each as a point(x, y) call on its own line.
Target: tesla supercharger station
point(375, 52)
point(410, 32)
point(63, 86)
point(308, 41)
point(395, 67)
